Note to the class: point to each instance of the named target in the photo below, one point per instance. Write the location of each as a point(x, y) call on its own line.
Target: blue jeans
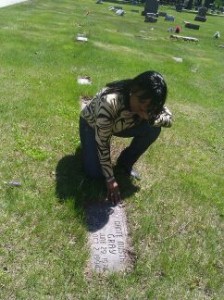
point(143, 136)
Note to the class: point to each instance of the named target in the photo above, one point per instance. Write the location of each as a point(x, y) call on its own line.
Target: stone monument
point(192, 26)
point(201, 16)
point(151, 10)
point(151, 6)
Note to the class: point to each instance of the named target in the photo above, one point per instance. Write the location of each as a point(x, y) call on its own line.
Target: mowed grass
point(175, 213)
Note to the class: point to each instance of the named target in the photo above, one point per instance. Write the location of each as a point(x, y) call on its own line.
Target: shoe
point(134, 174)
point(131, 172)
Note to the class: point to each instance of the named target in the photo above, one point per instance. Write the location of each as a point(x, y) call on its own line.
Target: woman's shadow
point(88, 195)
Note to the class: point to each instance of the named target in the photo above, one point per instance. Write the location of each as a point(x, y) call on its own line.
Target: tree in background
point(219, 3)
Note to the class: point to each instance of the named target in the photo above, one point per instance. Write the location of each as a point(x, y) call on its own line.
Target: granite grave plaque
point(108, 238)
point(192, 26)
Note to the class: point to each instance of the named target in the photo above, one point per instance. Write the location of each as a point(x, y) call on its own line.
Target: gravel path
point(4, 3)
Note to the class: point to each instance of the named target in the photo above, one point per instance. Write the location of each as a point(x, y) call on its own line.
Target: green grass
point(175, 214)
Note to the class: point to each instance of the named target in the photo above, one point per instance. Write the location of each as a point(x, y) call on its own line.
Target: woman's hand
point(113, 192)
point(164, 118)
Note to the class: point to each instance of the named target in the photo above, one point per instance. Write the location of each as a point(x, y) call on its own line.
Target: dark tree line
point(190, 4)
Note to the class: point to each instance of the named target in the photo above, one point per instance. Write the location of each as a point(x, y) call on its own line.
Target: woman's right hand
point(113, 192)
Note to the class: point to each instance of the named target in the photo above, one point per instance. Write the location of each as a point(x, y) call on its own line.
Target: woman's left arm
point(164, 119)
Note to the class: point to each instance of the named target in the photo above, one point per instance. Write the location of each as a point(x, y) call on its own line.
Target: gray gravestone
point(151, 6)
point(201, 16)
point(151, 11)
point(169, 18)
point(108, 238)
point(192, 26)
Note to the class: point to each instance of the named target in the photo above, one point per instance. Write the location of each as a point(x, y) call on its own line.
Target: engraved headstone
point(201, 16)
point(151, 6)
point(188, 4)
point(108, 238)
point(151, 11)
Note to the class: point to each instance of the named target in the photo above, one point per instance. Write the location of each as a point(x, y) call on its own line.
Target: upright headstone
point(177, 29)
point(188, 4)
point(201, 16)
point(151, 6)
point(151, 10)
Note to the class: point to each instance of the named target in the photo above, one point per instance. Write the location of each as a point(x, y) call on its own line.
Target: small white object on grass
point(13, 183)
point(84, 80)
point(178, 59)
point(217, 35)
point(81, 39)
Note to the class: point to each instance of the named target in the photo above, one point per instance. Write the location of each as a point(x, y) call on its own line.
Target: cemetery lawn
point(175, 213)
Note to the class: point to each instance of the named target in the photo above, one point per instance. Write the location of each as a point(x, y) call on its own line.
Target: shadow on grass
point(73, 184)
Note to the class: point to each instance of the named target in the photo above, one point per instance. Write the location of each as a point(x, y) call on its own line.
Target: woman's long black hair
point(150, 84)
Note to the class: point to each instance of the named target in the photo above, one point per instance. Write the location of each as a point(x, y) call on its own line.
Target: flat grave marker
point(108, 238)
point(185, 38)
point(192, 26)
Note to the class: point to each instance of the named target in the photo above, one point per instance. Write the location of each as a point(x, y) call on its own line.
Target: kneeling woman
point(127, 108)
